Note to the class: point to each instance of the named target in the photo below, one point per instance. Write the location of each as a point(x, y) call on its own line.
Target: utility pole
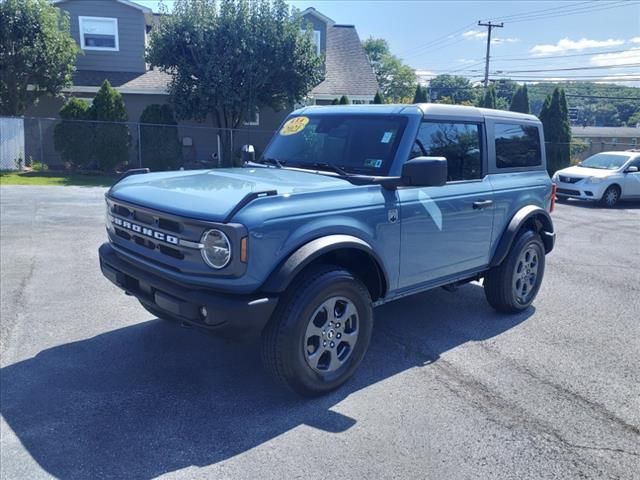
point(489, 26)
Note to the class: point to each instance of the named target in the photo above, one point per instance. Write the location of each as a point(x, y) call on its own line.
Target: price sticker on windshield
point(294, 125)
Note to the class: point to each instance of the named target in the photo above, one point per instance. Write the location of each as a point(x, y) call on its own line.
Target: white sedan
point(606, 177)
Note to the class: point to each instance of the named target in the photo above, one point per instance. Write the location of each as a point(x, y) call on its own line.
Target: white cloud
point(482, 35)
point(566, 45)
point(635, 40)
point(475, 34)
point(628, 56)
point(499, 40)
point(425, 75)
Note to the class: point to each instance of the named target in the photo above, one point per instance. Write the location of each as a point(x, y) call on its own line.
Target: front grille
point(156, 236)
point(565, 179)
point(567, 191)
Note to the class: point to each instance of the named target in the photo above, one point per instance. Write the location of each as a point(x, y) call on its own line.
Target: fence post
point(41, 141)
point(139, 148)
point(231, 148)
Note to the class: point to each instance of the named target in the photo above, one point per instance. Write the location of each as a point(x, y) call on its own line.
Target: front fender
point(282, 276)
point(532, 215)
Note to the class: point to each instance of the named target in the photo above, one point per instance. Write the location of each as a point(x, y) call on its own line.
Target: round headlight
point(216, 249)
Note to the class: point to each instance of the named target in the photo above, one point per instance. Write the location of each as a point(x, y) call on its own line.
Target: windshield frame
point(405, 128)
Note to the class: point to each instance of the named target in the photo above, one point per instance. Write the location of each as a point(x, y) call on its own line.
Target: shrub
point(111, 139)
point(73, 138)
point(159, 144)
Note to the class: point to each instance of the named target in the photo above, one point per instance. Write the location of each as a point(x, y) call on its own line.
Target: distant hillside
point(613, 109)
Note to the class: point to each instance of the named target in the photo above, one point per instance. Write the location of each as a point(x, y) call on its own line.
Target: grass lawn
point(55, 178)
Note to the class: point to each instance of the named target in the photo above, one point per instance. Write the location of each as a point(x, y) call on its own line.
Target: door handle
point(482, 204)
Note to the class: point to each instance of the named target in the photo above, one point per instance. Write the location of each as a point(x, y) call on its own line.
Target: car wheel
point(320, 331)
point(513, 285)
point(611, 196)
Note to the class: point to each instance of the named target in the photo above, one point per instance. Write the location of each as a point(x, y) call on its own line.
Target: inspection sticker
point(386, 138)
point(294, 125)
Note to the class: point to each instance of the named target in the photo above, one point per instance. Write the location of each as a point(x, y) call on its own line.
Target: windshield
point(362, 144)
point(605, 161)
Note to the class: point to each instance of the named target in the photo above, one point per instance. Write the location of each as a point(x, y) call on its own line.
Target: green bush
point(159, 144)
point(73, 138)
point(111, 139)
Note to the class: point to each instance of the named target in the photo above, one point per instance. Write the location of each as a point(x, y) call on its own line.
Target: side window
point(517, 145)
point(459, 143)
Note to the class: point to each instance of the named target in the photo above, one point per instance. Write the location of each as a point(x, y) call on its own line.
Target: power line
point(551, 57)
point(624, 65)
point(530, 12)
point(605, 97)
point(577, 11)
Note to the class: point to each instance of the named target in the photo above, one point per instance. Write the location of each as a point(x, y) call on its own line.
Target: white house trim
point(130, 91)
point(81, 22)
point(124, 2)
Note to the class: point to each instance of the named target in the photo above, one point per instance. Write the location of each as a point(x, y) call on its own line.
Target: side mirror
point(425, 172)
point(248, 154)
point(632, 169)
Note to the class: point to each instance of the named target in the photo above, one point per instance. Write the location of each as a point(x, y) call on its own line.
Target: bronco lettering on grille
point(164, 237)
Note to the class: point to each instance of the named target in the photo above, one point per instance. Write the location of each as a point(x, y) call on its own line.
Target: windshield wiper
point(272, 161)
point(330, 167)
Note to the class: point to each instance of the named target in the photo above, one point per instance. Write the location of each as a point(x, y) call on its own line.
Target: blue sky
point(442, 37)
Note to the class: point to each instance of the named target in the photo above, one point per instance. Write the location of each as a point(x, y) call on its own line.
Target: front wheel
point(611, 196)
point(513, 285)
point(320, 331)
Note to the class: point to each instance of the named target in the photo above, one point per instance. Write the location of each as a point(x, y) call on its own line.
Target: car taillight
point(553, 197)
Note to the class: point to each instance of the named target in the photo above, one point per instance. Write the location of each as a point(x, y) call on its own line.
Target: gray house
point(113, 34)
point(601, 139)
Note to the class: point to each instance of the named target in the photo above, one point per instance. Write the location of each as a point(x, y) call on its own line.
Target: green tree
point(557, 130)
point(378, 98)
point(421, 94)
point(37, 53)
point(395, 79)
point(505, 90)
point(457, 88)
point(228, 58)
point(489, 98)
point(520, 100)
point(335, 101)
point(160, 146)
point(634, 119)
point(73, 136)
point(344, 100)
point(111, 137)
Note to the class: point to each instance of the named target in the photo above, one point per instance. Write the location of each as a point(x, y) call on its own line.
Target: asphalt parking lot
point(92, 386)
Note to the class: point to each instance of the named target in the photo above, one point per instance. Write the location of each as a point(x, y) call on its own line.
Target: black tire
point(501, 287)
point(611, 196)
point(288, 351)
point(158, 314)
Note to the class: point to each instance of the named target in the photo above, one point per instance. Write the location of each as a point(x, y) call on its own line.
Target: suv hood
point(583, 172)
point(212, 194)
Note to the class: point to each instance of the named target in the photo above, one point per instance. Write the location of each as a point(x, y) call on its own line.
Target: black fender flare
point(281, 277)
point(531, 214)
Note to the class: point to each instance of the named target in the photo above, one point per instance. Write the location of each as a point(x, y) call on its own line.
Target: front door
point(447, 230)
point(631, 187)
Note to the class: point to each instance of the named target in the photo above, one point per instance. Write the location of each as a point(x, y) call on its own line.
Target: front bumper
point(580, 190)
point(229, 314)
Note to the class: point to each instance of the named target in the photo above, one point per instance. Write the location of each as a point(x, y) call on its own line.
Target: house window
point(99, 33)
point(253, 118)
point(316, 41)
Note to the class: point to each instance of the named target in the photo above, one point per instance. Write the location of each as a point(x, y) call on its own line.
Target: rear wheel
point(611, 196)
point(513, 285)
point(320, 331)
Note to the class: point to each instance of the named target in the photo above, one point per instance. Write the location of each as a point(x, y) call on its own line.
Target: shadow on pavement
point(621, 205)
point(153, 398)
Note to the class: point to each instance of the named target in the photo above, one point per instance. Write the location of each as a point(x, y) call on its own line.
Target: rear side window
point(517, 145)
point(459, 143)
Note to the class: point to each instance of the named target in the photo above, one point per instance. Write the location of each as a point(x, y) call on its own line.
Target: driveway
point(92, 386)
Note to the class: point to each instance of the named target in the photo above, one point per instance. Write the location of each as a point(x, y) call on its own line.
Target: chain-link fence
point(57, 144)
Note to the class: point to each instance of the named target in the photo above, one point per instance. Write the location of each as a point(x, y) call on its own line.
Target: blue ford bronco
point(348, 208)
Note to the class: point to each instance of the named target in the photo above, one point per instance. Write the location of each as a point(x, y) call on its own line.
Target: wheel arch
point(530, 217)
point(346, 251)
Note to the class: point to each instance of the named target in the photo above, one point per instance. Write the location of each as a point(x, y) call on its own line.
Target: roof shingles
point(347, 69)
